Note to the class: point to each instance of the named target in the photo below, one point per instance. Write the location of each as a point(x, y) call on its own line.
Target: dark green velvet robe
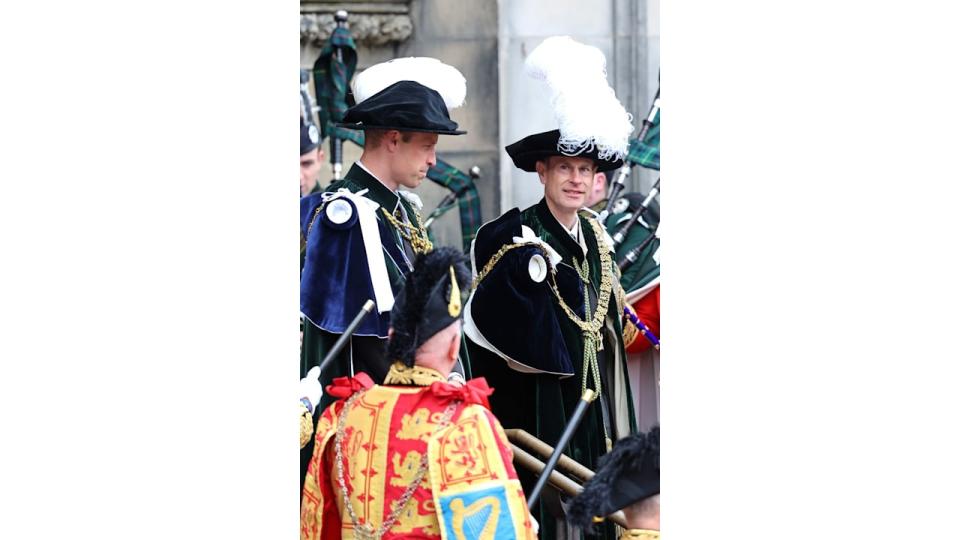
point(541, 404)
point(369, 353)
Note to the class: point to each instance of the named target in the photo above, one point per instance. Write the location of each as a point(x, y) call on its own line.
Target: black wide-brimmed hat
point(309, 137)
point(528, 151)
point(432, 298)
point(404, 106)
point(626, 475)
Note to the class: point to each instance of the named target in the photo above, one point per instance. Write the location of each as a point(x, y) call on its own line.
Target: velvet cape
point(368, 352)
point(539, 403)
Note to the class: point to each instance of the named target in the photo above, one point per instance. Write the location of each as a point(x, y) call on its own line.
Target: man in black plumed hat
point(546, 319)
point(428, 452)
point(363, 232)
point(628, 479)
point(311, 158)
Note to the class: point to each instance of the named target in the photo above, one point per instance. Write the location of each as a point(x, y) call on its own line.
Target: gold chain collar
point(590, 326)
point(417, 236)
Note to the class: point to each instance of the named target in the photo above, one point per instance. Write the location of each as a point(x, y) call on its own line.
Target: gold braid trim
point(314, 219)
point(487, 268)
point(417, 236)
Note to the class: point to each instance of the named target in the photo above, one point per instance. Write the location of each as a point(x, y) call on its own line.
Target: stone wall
point(462, 34)
point(488, 41)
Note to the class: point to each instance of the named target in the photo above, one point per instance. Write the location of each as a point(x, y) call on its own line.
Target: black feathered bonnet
point(627, 474)
point(432, 298)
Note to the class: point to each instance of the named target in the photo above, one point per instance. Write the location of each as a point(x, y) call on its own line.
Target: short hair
point(374, 137)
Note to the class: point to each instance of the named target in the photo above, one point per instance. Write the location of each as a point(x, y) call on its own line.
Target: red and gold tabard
point(469, 488)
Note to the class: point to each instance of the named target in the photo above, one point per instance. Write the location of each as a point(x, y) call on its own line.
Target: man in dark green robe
point(346, 262)
point(536, 392)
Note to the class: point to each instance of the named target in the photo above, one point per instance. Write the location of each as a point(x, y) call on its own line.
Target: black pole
point(335, 350)
point(587, 397)
point(648, 121)
point(336, 143)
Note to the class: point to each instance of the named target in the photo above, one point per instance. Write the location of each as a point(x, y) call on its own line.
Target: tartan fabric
point(469, 200)
point(449, 177)
point(332, 77)
point(646, 153)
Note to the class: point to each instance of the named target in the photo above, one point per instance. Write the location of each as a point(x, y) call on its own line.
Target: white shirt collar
point(360, 164)
point(575, 233)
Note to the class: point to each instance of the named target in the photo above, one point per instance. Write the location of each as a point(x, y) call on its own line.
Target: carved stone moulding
point(372, 23)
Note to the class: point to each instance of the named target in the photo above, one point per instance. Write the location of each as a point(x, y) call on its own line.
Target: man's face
point(599, 190)
point(309, 170)
point(567, 181)
point(413, 158)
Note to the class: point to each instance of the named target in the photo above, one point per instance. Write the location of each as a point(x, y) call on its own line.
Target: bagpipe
point(633, 220)
point(332, 73)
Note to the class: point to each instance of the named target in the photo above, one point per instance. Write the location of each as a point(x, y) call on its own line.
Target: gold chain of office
point(590, 326)
point(417, 236)
point(365, 531)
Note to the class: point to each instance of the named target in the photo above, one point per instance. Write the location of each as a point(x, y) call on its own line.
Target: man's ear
point(454, 350)
point(541, 170)
point(392, 140)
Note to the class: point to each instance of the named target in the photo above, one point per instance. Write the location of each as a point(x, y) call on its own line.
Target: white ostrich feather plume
point(430, 72)
point(587, 110)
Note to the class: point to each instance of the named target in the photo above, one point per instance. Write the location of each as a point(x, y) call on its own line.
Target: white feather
point(587, 110)
point(430, 72)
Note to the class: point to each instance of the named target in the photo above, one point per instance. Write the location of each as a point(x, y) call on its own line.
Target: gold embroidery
point(417, 375)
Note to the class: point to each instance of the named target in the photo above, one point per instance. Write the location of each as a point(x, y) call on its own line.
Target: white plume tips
point(430, 72)
point(587, 111)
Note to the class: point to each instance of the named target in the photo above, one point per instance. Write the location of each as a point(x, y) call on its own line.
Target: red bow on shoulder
point(344, 387)
point(475, 391)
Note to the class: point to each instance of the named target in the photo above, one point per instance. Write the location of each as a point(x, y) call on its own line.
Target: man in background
point(597, 198)
point(311, 156)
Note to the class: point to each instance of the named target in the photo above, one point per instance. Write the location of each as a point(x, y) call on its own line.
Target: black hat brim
point(364, 127)
point(526, 152)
